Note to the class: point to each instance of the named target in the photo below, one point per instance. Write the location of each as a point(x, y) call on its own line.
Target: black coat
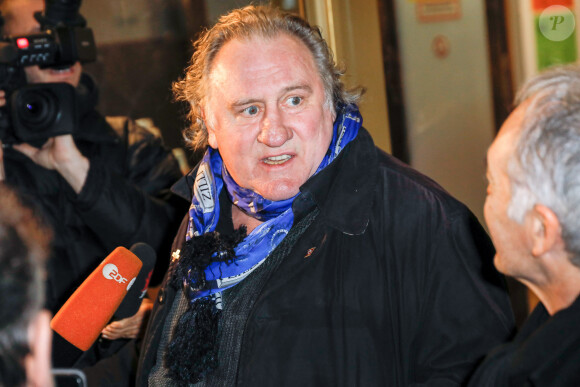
point(125, 198)
point(392, 284)
point(545, 353)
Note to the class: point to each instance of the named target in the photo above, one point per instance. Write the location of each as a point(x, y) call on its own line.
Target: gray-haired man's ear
point(546, 231)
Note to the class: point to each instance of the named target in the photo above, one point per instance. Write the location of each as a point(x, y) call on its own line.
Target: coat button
point(161, 296)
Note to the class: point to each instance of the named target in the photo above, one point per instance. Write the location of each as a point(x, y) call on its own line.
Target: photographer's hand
point(60, 153)
point(130, 327)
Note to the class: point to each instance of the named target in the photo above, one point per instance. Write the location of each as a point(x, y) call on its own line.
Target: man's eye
point(294, 101)
point(251, 110)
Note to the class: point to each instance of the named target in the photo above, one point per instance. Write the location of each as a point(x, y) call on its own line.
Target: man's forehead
point(514, 123)
point(19, 15)
point(506, 140)
point(13, 8)
point(247, 60)
point(247, 46)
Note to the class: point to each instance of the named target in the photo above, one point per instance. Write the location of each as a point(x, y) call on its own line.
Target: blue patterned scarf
point(277, 215)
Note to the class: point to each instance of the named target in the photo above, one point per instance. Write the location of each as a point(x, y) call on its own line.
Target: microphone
point(82, 318)
point(135, 295)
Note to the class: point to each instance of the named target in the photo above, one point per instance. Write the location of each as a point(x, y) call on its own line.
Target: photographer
point(105, 185)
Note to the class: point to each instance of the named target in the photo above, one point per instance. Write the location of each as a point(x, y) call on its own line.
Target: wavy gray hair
point(263, 21)
point(545, 167)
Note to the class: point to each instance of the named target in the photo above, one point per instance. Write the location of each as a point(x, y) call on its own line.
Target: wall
point(447, 96)
point(142, 47)
point(352, 30)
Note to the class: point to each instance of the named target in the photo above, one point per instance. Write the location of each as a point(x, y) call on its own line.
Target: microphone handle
point(64, 354)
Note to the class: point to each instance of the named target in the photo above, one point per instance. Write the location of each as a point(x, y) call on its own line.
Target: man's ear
point(546, 230)
point(38, 362)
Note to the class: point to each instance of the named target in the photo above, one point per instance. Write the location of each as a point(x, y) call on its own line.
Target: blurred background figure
point(101, 185)
point(25, 335)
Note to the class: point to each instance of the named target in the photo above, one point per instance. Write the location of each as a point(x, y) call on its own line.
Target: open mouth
point(276, 160)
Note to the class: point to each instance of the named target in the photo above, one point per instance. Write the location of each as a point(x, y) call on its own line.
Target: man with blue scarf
point(308, 256)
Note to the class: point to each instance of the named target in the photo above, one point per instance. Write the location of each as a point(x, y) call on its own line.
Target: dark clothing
point(391, 284)
point(125, 198)
point(546, 352)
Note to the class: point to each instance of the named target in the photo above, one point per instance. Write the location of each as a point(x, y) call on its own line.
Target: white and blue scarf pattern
point(276, 215)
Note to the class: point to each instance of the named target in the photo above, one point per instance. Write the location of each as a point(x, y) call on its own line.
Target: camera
point(40, 111)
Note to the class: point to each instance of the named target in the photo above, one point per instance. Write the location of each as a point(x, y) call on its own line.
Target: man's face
point(19, 21)
point(509, 237)
point(266, 114)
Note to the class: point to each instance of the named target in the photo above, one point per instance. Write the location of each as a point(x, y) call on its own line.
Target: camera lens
point(33, 108)
point(42, 110)
point(37, 109)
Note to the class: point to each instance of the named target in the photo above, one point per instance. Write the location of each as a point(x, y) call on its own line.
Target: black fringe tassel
point(192, 353)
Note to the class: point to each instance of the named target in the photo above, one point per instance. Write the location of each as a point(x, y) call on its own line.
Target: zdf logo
point(111, 271)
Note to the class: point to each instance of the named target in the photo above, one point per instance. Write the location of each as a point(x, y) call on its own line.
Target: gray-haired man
point(533, 213)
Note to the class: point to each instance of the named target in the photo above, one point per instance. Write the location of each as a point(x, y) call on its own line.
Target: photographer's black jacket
point(125, 199)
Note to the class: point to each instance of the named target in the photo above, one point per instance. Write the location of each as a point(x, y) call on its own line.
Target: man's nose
point(274, 131)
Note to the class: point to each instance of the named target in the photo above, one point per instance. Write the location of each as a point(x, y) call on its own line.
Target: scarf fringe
point(200, 251)
point(192, 353)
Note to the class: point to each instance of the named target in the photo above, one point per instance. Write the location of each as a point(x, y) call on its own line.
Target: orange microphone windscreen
point(82, 318)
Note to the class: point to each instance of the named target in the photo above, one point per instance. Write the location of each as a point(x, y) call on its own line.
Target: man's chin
point(62, 75)
point(280, 193)
point(70, 75)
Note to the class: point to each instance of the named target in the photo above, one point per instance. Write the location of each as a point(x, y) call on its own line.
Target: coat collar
point(342, 190)
point(184, 186)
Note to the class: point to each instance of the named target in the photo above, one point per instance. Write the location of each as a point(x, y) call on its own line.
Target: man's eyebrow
point(248, 101)
point(304, 87)
point(243, 102)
